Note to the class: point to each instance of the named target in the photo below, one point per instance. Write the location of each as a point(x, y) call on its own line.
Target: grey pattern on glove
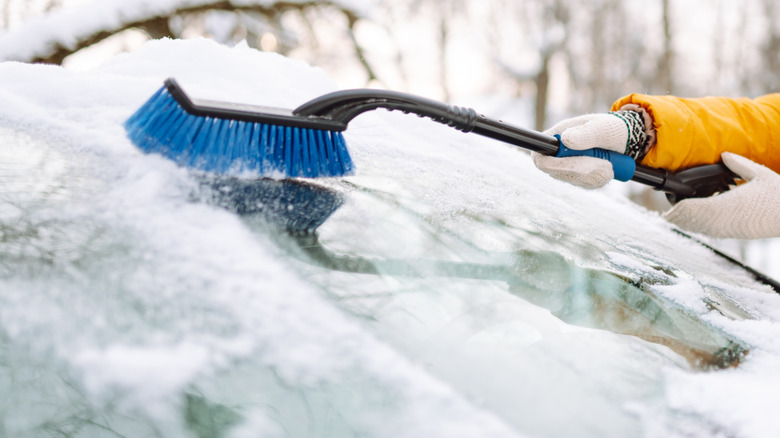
point(637, 136)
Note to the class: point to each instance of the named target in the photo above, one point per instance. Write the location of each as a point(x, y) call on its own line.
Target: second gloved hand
point(748, 211)
point(612, 131)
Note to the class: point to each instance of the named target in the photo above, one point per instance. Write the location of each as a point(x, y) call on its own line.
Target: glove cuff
point(636, 145)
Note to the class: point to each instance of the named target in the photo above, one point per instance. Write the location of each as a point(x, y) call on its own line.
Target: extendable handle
point(342, 106)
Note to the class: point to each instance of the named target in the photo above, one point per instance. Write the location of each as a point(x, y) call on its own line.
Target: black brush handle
point(343, 106)
point(247, 113)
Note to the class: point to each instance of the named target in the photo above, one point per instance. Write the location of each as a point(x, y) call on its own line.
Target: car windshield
point(446, 289)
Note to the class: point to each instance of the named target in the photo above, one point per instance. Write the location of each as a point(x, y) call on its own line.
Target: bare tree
point(770, 49)
point(442, 15)
point(545, 22)
point(266, 15)
point(607, 47)
point(666, 63)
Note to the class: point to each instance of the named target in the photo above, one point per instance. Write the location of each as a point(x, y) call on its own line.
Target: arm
point(744, 134)
point(692, 132)
point(683, 133)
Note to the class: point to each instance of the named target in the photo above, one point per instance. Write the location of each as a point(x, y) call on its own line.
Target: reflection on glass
point(578, 296)
point(467, 308)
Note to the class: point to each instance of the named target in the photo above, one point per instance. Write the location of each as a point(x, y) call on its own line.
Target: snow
point(126, 296)
point(192, 271)
point(64, 27)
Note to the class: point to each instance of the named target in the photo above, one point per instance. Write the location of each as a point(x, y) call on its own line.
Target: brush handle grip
point(623, 166)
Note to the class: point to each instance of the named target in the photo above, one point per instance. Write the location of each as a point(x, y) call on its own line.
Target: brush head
point(238, 139)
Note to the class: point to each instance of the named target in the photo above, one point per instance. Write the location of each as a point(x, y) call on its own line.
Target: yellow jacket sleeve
point(693, 132)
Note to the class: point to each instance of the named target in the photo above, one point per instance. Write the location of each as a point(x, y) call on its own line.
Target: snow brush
point(230, 138)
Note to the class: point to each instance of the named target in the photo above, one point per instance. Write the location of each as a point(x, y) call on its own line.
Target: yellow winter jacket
point(693, 132)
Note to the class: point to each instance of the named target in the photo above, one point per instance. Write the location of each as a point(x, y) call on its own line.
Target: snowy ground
point(131, 305)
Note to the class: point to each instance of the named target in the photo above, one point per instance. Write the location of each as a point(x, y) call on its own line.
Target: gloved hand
point(748, 211)
point(619, 132)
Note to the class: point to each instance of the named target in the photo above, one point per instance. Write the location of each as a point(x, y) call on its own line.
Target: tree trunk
point(666, 63)
point(542, 82)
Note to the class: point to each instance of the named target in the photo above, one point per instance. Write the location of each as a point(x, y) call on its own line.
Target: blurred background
point(564, 57)
point(533, 62)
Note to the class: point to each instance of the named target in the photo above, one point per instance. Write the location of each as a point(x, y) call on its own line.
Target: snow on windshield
point(436, 299)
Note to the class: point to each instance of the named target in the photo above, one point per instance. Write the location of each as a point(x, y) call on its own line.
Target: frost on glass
point(107, 328)
point(576, 295)
point(490, 322)
point(431, 323)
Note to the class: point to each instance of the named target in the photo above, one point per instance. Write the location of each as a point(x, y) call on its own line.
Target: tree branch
point(351, 21)
point(157, 26)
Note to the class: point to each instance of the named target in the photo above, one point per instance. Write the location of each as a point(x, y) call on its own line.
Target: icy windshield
point(447, 289)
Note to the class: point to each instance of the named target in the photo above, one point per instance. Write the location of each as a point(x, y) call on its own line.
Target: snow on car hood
point(130, 303)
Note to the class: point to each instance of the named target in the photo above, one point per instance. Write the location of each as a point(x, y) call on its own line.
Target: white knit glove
point(748, 211)
point(605, 131)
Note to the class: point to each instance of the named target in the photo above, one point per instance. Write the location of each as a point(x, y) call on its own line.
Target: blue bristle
point(323, 143)
point(285, 157)
point(255, 162)
point(226, 146)
point(313, 152)
point(296, 155)
point(309, 153)
point(275, 142)
point(217, 141)
point(303, 147)
point(344, 159)
point(268, 132)
point(243, 137)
